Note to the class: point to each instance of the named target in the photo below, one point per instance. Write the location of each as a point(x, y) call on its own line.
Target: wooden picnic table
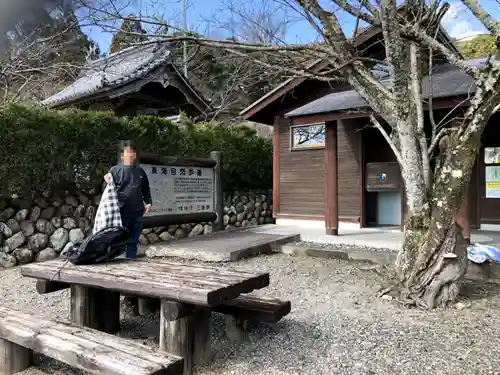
point(188, 293)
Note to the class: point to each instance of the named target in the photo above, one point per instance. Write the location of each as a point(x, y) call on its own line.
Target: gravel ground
point(336, 326)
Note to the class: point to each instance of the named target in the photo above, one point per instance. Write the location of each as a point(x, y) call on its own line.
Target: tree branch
point(483, 16)
point(435, 142)
point(388, 139)
point(418, 35)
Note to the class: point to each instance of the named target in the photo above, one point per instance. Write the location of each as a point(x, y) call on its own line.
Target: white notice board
point(180, 190)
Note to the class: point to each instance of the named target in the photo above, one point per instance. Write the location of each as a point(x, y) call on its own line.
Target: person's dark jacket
point(132, 187)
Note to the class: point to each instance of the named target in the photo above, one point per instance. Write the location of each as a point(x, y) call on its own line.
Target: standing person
point(134, 194)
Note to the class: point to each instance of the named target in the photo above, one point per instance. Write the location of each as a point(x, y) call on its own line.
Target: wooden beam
point(331, 180)
point(173, 310)
point(46, 286)
point(276, 165)
point(445, 103)
point(330, 116)
point(299, 217)
point(280, 91)
point(256, 309)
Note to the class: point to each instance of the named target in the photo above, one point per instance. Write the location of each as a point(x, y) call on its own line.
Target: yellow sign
point(493, 185)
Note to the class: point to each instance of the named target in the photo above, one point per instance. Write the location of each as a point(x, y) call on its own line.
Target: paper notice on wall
point(493, 181)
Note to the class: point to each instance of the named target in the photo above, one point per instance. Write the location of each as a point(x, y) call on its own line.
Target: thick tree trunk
point(433, 260)
point(433, 280)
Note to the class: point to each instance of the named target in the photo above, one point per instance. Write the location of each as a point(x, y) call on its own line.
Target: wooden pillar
point(95, 308)
point(186, 332)
point(276, 164)
point(331, 180)
point(236, 328)
point(147, 306)
point(14, 358)
point(218, 225)
point(202, 342)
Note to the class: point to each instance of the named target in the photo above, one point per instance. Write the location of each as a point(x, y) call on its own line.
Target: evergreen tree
point(130, 32)
point(42, 48)
point(480, 46)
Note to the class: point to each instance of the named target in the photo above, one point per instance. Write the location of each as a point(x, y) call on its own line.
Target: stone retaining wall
point(39, 230)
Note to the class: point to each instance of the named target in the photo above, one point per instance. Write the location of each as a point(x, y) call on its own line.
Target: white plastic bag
point(478, 253)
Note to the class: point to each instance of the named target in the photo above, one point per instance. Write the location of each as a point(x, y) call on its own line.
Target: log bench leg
point(236, 328)
point(186, 332)
point(202, 342)
point(133, 303)
point(14, 358)
point(95, 308)
point(148, 306)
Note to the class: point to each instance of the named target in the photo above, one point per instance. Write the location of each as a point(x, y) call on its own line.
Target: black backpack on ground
point(100, 247)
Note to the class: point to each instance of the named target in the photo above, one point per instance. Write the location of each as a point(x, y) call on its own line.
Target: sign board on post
point(180, 190)
point(183, 190)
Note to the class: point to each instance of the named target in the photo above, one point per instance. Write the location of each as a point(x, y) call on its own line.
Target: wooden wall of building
point(301, 177)
point(349, 143)
point(302, 174)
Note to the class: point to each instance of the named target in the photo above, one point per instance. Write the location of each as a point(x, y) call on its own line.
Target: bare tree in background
point(242, 81)
point(260, 21)
point(432, 260)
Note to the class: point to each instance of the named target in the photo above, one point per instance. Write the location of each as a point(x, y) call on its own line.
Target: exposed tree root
point(433, 282)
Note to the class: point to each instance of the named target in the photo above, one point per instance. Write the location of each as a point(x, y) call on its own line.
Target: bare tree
point(432, 260)
point(260, 21)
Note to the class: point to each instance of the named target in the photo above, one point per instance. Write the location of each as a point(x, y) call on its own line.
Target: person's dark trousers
point(134, 226)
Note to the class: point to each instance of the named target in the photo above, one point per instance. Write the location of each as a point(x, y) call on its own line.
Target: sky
point(206, 16)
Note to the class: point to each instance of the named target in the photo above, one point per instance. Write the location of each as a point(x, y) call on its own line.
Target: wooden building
point(333, 170)
point(136, 80)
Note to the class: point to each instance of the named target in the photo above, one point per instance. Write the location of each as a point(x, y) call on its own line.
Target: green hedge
point(45, 149)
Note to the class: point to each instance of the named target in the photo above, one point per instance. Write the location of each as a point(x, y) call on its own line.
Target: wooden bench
point(188, 295)
point(247, 309)
point(87, 349)
point(240, 312)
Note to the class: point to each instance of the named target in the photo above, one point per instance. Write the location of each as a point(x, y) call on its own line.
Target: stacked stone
point(173, 232)
point(247, 209)
point(39, 229)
